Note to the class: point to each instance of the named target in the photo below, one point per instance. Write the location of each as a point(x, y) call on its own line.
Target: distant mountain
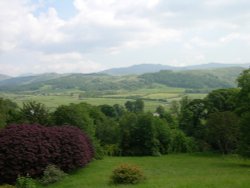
point(152, 68)
point(25, 80)
point(4, 77)
point(214, 66)
point(138, 69)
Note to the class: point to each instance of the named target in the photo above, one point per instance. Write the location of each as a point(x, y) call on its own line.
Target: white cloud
point(101, 27)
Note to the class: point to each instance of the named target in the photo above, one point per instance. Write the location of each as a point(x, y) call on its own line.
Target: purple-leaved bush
point(28, 149)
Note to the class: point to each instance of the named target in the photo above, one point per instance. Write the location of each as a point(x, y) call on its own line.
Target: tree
point(138, 135)
point(8, 110)
point(160, 110)
point(244, 148)
point(222, 100)
point(223, 131)
point(135, 106)
point(244, 94)
point(75, 115)
point(108, 110)
point(244, 111)
point(192, 117)
point(34, 112)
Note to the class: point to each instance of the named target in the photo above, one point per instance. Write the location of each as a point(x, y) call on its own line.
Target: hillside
point(209, 78)
point(4, 77)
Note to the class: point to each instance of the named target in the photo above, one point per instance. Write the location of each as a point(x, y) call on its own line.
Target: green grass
point(170, 171)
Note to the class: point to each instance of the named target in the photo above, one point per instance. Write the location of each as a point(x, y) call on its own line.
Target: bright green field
point(170, 171)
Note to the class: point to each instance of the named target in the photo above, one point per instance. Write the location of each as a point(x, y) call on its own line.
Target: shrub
point(52, 174)
point(25, 182)
point(29, 149)
point(127, 174)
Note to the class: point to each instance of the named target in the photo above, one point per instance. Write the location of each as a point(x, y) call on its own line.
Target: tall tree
point(223, 131)
point(244, 111)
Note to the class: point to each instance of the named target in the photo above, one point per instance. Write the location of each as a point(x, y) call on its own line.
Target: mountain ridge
point(151, 68)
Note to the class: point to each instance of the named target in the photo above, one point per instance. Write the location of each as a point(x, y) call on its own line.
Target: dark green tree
point(223, 131)
point(76, 115)
point(35, 112)
point(8, 112)
point(222, 100)
point(244, 111)
point(135, 106)
point(192, 118)
point(138, 135)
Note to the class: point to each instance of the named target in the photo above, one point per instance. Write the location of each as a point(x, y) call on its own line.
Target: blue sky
point(38, 36)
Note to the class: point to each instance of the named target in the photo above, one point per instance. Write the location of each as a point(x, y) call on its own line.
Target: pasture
point(153, 97)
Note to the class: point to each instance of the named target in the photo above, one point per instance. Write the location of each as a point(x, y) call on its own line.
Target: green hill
point(210, 78)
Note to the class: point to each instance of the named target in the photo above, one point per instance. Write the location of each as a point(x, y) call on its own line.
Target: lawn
point(170, 171)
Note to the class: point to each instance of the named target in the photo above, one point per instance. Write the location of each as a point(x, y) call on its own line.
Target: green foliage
point(135, 106)
point(127, 174)
point(243, 109)
point(7, 111)
point(25, 182)
point(163, 135)
point(160, 110)
point(77, 115)
point(33, 112)
point(244, 95)
point(192, 116)
point(222, 100)
point(180, 143)
point(52, 174)
point(223, 131)
point(138, 135)
point(244, 147)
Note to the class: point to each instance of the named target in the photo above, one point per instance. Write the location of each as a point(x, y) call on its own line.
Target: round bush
point(127, 174)
point(29, 149)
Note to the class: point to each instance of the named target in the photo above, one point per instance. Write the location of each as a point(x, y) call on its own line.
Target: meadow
point(169, 171)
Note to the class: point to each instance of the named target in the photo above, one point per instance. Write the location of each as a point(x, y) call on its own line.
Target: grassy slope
point(171, 171)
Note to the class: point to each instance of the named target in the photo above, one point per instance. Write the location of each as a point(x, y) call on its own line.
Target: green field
point(153, 97)
point(170, 171)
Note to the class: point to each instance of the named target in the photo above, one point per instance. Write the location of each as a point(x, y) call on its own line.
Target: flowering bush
point(29, 149)
point(127, 174)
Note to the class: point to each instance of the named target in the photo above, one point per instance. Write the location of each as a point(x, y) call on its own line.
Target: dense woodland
point(217, 123)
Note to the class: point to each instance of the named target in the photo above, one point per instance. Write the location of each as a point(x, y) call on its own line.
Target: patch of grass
point(170, 171)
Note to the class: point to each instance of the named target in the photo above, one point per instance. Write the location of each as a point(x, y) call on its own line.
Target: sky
point(83, 36)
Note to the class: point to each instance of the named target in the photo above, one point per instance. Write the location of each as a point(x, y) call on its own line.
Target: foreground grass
point(170, 171)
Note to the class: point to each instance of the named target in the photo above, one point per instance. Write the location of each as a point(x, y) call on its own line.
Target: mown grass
point(170, 171)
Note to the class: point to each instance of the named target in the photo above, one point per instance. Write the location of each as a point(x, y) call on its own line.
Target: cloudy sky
point(39, 36)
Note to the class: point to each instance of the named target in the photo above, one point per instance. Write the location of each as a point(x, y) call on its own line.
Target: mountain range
point(150, 68)
point(189, 77)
